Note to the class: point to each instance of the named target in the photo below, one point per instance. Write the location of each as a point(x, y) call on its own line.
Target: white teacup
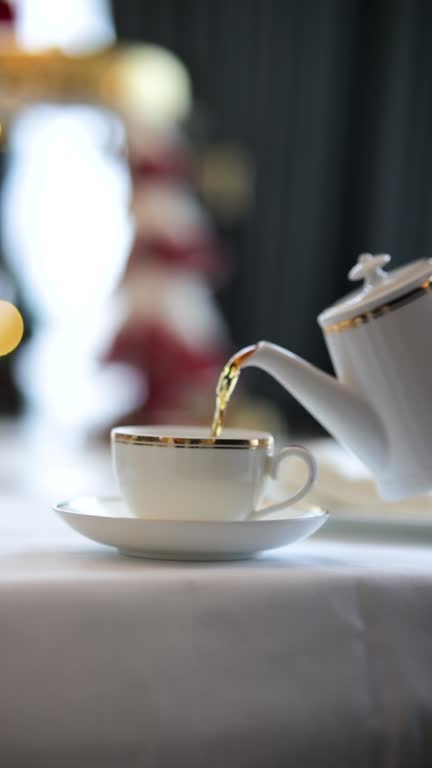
point(181, 473)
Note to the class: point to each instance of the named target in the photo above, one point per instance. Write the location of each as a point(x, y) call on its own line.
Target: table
point(320, 654)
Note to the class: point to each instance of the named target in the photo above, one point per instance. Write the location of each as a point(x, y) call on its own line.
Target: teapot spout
point(347, 416)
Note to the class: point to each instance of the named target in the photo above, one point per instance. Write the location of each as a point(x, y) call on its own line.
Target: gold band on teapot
point(383, 309)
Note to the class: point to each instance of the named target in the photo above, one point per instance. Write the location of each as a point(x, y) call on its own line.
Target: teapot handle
point(274, 462)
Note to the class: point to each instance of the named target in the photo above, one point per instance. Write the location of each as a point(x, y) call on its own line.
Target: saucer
point(107, 520)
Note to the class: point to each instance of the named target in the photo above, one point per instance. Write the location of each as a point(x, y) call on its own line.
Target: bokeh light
point(11, 327)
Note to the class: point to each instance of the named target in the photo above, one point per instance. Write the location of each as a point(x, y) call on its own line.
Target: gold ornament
point(11, 327)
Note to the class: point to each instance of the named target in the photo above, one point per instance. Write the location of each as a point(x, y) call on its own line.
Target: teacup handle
point(274, 463)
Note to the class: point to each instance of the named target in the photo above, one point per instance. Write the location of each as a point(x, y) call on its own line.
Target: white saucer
point(108, 521)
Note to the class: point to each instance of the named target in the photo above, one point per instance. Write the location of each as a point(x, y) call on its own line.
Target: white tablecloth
point(320, 654)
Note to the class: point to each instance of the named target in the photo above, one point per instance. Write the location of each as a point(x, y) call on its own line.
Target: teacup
point(181, 473)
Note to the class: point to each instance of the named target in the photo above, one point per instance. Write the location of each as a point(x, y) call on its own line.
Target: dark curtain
point(332, 98)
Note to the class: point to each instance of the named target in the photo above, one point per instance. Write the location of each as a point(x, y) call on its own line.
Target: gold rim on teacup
point(192, 442)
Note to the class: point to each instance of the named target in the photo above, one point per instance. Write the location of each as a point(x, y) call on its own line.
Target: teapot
point(379, 404)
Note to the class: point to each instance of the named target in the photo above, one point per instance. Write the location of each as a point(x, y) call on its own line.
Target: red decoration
point(171, 367)
point(159, 157)
point(7, 13)
point(199, 254)
point(158, 351)
point(170, 166)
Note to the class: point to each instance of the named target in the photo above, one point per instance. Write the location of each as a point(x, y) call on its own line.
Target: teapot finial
point(369, 268)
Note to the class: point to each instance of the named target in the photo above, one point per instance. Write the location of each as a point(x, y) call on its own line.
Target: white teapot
point(380, 404)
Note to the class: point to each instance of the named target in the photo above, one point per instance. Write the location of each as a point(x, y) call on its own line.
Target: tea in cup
point(181, 473)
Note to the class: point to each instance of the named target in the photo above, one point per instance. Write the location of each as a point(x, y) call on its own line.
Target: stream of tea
point(226, 385)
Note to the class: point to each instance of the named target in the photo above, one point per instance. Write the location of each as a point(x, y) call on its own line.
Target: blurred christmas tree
point(170, 330)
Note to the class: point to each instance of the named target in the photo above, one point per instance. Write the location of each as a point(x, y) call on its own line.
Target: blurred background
point(212, 191)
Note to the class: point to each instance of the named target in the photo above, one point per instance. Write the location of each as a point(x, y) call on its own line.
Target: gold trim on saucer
point(192, 442)
point(373, 314)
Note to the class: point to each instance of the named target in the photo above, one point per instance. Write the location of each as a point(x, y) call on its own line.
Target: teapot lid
point(379, 287)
